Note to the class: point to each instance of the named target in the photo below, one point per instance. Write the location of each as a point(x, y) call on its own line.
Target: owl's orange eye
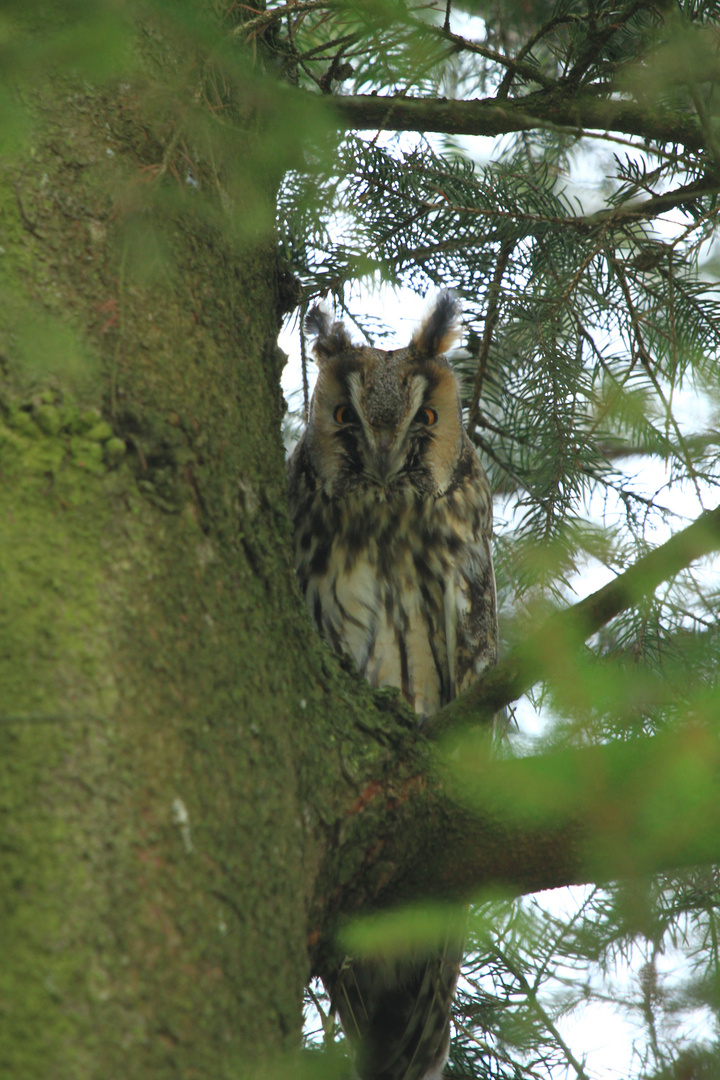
point(344, 414)
point(426, 415)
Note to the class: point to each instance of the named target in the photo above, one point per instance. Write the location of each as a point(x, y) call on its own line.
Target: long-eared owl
point(392, 515)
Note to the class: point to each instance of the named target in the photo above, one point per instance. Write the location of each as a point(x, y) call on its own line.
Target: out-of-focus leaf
point(396, 932)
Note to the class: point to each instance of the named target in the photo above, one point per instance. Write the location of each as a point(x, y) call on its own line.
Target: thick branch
point(596, 814)
point(584, 815)
point(546, 651)
point(542, 109)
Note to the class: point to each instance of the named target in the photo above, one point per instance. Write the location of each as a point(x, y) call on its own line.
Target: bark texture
point(155, 867)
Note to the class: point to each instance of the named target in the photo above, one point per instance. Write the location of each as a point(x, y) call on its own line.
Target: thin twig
point(532, 998)
point(255, 26)
point(597, 40)
point(646, 361)
point(543, 31)
point(313, 54)
point(491, 316)
point(528, 71)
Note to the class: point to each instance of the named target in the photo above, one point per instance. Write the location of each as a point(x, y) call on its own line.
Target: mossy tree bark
point(178, 750)
point(156, 864)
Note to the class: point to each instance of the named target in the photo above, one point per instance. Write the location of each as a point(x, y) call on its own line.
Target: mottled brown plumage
point(393, 517)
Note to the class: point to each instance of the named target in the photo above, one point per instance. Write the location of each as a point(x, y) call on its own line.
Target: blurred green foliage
point(395, 932)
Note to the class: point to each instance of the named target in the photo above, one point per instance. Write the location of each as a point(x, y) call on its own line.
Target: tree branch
point(253, 27)
point(593, 814)
point(541, 109)
point(546, 651)
point(583, 815)
point(616, 216)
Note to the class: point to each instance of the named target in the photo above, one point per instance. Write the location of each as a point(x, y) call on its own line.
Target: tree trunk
point(156, 865)
point(167, 814)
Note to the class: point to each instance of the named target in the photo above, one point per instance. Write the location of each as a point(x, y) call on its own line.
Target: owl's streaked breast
point(385, 579)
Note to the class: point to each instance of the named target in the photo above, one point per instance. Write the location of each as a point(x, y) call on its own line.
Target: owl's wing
point(470, 603)
point(473, 639)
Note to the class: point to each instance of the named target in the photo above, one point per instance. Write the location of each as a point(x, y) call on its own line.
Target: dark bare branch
point(581, 815)
point(544, 108)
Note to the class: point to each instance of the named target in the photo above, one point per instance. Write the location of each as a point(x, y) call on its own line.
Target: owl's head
point(386, 420)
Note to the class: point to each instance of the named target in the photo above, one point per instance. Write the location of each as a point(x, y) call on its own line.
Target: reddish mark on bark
point(385, 879)
point(399, 795)
point(373, 852)
point(366, 796)
point(407, 791)
point(111, 306)
point(313, 938)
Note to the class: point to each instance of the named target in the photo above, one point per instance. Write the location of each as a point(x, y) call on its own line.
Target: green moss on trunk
point(155, 872)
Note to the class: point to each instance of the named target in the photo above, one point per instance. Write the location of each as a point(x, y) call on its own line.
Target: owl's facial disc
point(386, 407)
point(385, 421)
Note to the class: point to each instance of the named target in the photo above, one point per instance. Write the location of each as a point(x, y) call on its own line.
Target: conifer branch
point(550, 648)
point(556, 108)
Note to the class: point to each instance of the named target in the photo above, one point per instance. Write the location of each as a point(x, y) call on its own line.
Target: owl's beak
point(384, 458)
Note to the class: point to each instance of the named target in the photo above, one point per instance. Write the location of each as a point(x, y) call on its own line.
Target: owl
point(392, 518)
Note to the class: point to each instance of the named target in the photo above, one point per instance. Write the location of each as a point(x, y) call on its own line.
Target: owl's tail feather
point(397, 1013)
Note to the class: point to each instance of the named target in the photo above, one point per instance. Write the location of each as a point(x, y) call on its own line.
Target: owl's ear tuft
point(440, 327)
point(330, 338)
point(317, 322)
